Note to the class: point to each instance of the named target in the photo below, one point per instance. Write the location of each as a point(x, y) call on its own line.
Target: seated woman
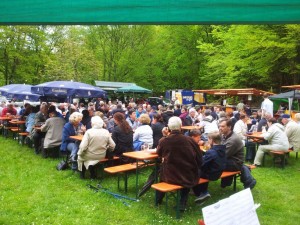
point(96, 141)
point(157, 126)
point(122, 135)
point(144, 133)
point(277, 139)
point(71, 129)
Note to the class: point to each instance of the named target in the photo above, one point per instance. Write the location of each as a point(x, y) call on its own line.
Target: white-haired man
point(191, 118)
point(181, 160)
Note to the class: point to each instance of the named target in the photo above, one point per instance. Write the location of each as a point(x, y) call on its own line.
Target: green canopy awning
point(134, 89)
point(148, 11)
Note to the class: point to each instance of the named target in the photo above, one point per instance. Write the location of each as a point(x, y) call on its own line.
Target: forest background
point(156, 57)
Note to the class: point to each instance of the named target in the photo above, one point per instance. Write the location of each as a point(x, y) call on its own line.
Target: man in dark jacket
point(181, 160)
point(214, 162)
point(234, 156)
point(168, 114)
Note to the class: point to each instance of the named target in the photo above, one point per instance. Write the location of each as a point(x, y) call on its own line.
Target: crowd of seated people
point(115, 127)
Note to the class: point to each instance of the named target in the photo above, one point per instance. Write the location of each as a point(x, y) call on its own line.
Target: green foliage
point(156, 57)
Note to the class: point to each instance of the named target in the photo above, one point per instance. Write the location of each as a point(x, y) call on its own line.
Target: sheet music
point(238, 209)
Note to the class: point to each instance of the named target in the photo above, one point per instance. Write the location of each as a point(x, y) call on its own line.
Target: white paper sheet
point(238, 209)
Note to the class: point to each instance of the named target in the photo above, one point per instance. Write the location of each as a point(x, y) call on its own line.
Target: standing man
point(267, 105)
point(234, 156)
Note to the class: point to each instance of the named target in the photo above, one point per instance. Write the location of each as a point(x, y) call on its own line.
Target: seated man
point(292, 131)
point(9, 110)
point(214, 162)
point(277, 139)
point(234, 155)
point(181, 161)
point(36, 135)
point(53, 128)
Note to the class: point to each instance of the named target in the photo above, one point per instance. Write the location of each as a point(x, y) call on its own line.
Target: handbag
point(62, 165)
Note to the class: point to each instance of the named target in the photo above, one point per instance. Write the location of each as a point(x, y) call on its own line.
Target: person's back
point(157, 126)
point(53, 128)
point(122, 135)
point(179, 155)
point(177, 111)
point(267, 105)
point(292, 131)
point(214, 161)
point(181, 160)
point(96, 141)
point(276, 136)
point(167, 114)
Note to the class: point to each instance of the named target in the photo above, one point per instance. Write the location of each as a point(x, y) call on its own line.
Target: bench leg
point(167, 199)
point(126, 180)
point(234, 183)
point(177, 204)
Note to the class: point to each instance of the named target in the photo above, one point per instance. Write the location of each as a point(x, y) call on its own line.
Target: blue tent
point(69, 89)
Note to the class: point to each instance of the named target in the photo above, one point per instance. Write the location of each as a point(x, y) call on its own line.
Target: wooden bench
point(107, 160)
point(170, 188)
point(22, 136)
point(282, 155)
point(123, 169)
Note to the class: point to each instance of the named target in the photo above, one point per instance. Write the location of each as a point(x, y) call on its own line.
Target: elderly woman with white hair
point(181, 160)
point(71, 129)
point(96, 141)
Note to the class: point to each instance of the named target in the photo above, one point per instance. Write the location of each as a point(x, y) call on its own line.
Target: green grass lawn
point(32, 191)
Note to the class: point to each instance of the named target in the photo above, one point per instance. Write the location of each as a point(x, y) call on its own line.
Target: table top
point(5, 118)
point(141, 155)
point(17, 121)
point(255, 135)
point(190, 127)
point(77, 137)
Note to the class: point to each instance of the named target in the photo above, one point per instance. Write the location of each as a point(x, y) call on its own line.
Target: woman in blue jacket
point(71, 129)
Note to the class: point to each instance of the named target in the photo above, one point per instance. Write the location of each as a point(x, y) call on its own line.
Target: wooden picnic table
point(141, 155)
point(190, 127)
